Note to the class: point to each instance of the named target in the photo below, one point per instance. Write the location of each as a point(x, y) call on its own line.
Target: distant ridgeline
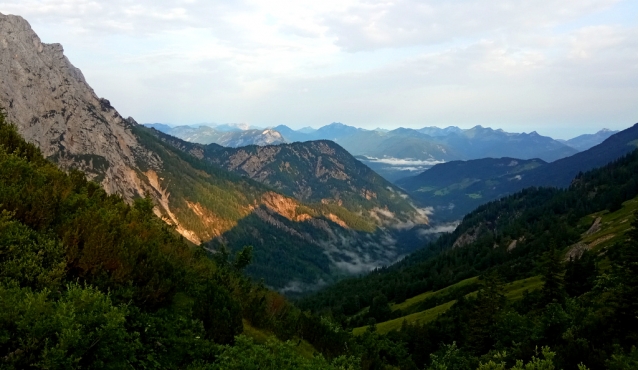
point(405, 152)
point(456, 188)
point(400, 152)
point(228, 136)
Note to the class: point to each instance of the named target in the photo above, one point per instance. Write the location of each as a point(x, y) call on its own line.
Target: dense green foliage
point(87, 281)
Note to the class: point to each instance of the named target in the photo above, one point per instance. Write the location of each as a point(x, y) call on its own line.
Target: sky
point(558, 67)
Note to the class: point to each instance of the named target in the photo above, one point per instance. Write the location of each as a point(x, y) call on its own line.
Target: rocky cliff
point(54, 107)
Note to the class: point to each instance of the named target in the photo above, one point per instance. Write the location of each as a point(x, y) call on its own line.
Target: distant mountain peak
point(337, 124)
point(584, 142)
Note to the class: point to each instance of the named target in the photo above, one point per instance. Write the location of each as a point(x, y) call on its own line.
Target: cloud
point(297, 286)
point(403, 161)
point(437, 229)
point(381, 24)
point(560, 67)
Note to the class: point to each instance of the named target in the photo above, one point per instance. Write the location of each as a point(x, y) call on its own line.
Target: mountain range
point(402, 152)
point(320, 236)
point(584, 142)
point(399, 153)
point(455, 188)
point(226, 135)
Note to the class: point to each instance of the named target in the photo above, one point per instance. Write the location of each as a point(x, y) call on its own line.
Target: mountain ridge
point(232, 137)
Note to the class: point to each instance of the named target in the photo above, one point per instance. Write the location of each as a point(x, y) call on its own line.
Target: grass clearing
point(513, 291)
point(303, 348)
point(426, 189)
point(613, 227)
point(419, 317)
point(421, 297)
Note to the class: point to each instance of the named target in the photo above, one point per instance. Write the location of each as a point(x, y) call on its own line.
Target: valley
point(232, 246)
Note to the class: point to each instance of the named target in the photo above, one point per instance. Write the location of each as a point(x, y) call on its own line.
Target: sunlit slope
point(298, 245)
point(605, 229)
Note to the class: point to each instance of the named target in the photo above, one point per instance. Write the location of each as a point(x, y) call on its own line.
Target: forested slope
point(584, 311)
point(533, 218)
point(87, 281)
point(349, 221)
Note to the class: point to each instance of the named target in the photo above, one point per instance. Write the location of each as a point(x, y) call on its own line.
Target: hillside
point(577, 249)
point(513, 291)
point(455, 188)
point(87, 281)
point(315, 171)
point(512, 231)
point(350, 221)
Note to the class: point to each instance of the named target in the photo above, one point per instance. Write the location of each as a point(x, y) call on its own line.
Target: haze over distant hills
point(584, 142)
point(456, 188)
point(401, 152)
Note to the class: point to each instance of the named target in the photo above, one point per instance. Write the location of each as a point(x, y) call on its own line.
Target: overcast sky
point(559, 67)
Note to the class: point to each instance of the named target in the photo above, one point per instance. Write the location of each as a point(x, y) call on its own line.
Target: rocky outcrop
point(466, 238)
point(595, 227)
point(53, 107)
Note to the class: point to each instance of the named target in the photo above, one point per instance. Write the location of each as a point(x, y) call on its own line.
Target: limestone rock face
point(54, 107)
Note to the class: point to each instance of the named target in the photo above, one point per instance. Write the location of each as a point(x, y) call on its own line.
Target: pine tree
point(552, 270)
point(489, 303)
